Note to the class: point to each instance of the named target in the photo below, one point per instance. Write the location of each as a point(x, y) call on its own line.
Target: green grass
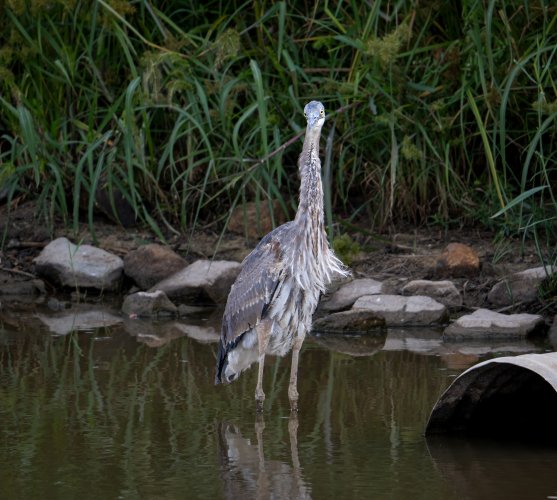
point(436, 112)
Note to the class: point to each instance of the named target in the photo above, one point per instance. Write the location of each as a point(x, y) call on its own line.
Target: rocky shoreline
point(155, 281)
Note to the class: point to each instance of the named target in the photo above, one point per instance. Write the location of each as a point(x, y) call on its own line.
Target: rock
point(79, 319)
point(148, 304)
point(71, 265)
point(393, 285)
point(487, 324)
point(458, 260)
point(202, 281)
point(519, 287)
point(348, 321)
point(347, 294)
point(254, 219)
point(149, 264)
point(397, 310)
point(443, 291)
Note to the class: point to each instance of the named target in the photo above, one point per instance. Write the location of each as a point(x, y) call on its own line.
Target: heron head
point(314, 112)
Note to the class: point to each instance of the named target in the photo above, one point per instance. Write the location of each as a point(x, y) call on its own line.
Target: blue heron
point(270, 306)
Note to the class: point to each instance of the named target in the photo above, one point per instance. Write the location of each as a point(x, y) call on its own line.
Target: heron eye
point(322, 112)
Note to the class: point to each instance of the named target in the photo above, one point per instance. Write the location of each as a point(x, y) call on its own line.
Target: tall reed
point(439, 114)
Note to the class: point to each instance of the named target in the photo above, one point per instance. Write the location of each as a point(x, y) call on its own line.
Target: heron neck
point(310, 207)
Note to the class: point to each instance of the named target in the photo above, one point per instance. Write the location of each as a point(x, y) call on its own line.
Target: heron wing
point(254, 289)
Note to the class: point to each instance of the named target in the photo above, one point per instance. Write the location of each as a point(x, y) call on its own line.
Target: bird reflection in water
point(245, 471)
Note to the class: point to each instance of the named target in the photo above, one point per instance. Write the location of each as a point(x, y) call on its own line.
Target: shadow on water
point(130, 411)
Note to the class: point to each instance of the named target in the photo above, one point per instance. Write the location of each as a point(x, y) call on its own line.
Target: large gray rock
point(148, 304)
point(519, 287)
point(397, 310)
point(79, 266)
point(201, 281)
point(347, 294)
point(487, 324)
point(150, 264)
point(443, 291)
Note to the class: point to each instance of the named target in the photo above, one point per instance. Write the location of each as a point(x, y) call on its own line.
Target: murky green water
point(131, 411)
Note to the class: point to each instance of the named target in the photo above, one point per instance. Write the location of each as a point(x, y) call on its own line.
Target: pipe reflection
point(245, 471)
point(487, 468)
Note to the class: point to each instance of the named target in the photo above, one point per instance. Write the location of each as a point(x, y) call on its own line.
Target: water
point(130, 411)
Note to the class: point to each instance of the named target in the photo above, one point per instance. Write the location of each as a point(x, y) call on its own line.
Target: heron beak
point(312, 120)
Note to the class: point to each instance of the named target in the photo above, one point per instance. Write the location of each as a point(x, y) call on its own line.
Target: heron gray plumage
point(270, 306)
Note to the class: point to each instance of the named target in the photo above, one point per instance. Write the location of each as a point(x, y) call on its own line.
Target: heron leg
point(263, 334)
point(293, 387)
point(293, 432)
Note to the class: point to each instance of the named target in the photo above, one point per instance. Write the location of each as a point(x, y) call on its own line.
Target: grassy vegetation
point(439, 112)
